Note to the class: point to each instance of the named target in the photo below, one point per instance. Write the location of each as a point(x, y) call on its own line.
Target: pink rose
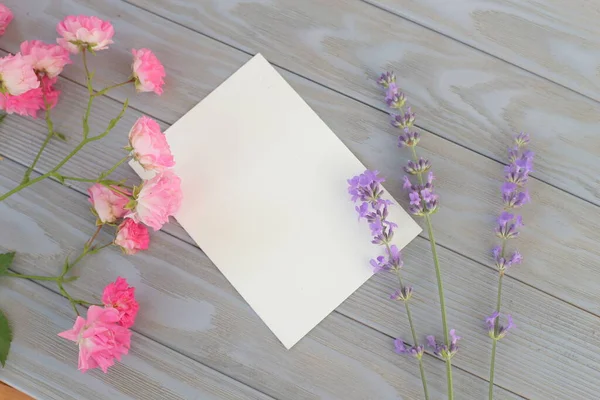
point(120, 296)
point(5, 17)
point(147, 71)
point(108, 205)
point(132, 236)
point(101, 338)
point(158, 198)
point(47, 59)
point(149, 145)
point(17, 75)
point(82, 32)
point(30, 102)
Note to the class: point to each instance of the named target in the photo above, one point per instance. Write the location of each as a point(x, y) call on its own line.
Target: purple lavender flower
point(415, 351)
point(403, 294)
point(419, 167)
point(404, 121)
point(367, 189)
point(394, 97)
point(522, 139)
point(508, 225)
point(423, 200)
point(501, 331)
point(386, 79)
point(409, 139)
point(512, 197)
point(443, 351)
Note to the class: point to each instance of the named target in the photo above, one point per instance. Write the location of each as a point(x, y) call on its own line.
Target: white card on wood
point(265, 197)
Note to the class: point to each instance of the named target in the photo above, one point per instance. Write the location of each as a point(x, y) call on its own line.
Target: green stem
point(108, 88)
point(440, 285)
point(88, 78)
point(412, 329)
point(496, 326)
point(32, 277)
point(74, 178)
point(50, 127)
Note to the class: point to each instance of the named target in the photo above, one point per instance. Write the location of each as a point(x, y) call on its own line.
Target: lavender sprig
point(514, 196)
point(423, 202)
point(366, 189)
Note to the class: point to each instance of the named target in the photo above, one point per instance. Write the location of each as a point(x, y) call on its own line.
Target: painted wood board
point(341, 358)
point(552, 38)
point(45, 366)
point(461, 93)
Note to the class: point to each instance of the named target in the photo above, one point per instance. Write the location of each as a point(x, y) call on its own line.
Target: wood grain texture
point(45, 365)
point(462, 94)
point(560, 224)
point(10, 393)
point(366, 132)
point(189, 306)
point(551, 38)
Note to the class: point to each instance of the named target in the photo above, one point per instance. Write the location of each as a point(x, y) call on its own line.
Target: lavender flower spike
point(501, 330)
point(443, 351)
point(415, 351)
point(386, 79)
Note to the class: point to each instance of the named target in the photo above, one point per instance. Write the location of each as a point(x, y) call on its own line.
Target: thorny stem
point(440, 285)
point(496, 326)
point(412, 329)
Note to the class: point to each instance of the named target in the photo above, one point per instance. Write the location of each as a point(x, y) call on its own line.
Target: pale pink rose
point(101, 338)
point(83, 32)
point(159, 198)
point(132, 236)
point(108, 205)
point(149, 145)
point(147, 71)
point(30, 102)
point(46, 59)
point(120, 296)
point(17, 75)
point(5, 17)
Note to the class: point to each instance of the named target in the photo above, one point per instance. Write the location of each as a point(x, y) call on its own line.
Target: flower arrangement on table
point(367, 190)
point(27, 87)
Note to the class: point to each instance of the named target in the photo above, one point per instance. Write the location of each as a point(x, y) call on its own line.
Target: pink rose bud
point(132, 236)
point(157, 199)
point(82, 32)
point(120, 296)
point(107, 204)
point(101, 338)
point(17, 75)
point(47, 59)
point(5, 17)
point(147, 71)
point(149, 145)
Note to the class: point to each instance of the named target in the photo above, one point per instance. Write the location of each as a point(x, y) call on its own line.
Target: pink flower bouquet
point(27, 81)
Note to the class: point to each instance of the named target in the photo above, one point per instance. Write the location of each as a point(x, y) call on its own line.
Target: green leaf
point(5, 338)
point(6, 260)
point(58, 177)
point(61, 136)
point(2, 117)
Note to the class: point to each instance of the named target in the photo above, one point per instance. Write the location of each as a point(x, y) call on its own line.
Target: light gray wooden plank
point(188, 305)
point(552, 38)
point(461, 94)
point(559, 218)
point(564, 225)
point(344, 116)
point(45, 366)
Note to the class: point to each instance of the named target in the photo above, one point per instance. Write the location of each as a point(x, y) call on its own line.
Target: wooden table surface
point(475, 72)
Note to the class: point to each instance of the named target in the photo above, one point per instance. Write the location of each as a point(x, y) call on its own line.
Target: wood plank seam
point(406, 18)
point(383, 109)
point(38, 283)
point(427, 352)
